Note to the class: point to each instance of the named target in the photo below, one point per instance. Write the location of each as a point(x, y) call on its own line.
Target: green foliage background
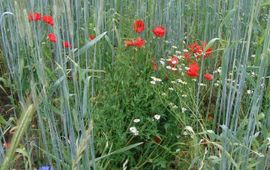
point(87, 97)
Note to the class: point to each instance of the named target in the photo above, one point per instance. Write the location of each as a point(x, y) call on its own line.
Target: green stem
point(22, 128)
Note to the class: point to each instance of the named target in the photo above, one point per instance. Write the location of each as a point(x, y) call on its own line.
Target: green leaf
point(211, 43)
point(90, 44)
point(26, 155)
point(119, 151)
point(5, 13)
point(24, 122)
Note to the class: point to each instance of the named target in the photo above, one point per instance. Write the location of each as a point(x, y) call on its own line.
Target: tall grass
point(68, 80)
point(61, 76)
point(23, 125)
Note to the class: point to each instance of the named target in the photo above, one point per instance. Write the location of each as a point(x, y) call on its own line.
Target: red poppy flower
point(155, 66)
point(138, 26)
point(159, 31)
point(208, 76)
point(191, 73)
point(193, 70)
point(194, 66)
point(66, 44)
point(34, 16)
point(139, 42)
point(195, 48)
point(91, 37)
point(129, 43)
point(48, 19)
point(52, 37)
point(173, 61)
point(208, 52)
point(198, 50)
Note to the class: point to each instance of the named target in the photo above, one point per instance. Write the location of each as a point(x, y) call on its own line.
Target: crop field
point(134, 84)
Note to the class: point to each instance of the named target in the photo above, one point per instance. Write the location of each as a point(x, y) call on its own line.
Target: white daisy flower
point(219, 70)
point(189, 129)
point(216, 84)
point(184, 95)
point(162, 62)
point(185, 133)
point(153, 82)
point(185, 50)
point(178, 52)
point(180, 57)
point(168, 67)
point(202, 84)
point(136, 120)
point(157, 117)
point(134, 131)
point(184, 109)
point(174, 69)
point(175, 107)
point(181, 81)
point(156, 79)
point(249, 92)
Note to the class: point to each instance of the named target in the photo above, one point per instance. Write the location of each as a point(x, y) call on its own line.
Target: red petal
point(138, 26)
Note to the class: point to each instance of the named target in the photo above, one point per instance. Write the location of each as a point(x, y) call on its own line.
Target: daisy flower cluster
point(134, 129)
